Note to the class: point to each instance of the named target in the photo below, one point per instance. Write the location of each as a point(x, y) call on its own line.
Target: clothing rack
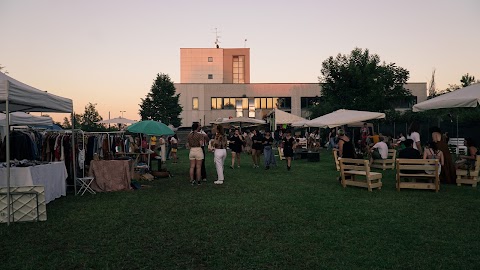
point(74, 153)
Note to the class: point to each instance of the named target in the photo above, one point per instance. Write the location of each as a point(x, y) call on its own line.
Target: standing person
point(204, 144)
point(163, 152)
point(288, 145)
point(268, 156)
point(448, 174)
point(220, 153)
point(169, 147)
point(236, 143)
point(331, 139)
point(195, 140)
point(365, 132)
point(256, 148)
point(247, 143)
point(345, 145)
point(174, 147)
point(415, 136)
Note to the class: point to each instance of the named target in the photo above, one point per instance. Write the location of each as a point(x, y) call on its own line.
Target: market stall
point(17, 96)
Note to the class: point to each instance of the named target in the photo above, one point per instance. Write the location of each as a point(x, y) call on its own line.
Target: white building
point(215, 83)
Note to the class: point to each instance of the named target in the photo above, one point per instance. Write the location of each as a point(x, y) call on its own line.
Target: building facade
point(215, 83)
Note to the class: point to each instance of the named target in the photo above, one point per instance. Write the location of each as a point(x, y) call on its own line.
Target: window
point(195, 103)
point(284, 103)
point(239, 107)
point(210, 59)
point(308, 102)
point(228, 103)
point(239, 69)
point(217, 103)
point(210, 76)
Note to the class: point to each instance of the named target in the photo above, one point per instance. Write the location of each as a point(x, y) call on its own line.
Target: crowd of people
point(255, 143)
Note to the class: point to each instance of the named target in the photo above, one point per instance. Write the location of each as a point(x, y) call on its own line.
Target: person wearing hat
point(288, 146)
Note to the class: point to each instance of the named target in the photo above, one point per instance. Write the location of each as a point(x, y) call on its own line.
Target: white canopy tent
point(343, 117)
point(465, 97)
point(18, 96)
point(280, 117)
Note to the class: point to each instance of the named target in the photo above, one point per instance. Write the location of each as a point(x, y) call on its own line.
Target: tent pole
point(457, 138)
point(7, 112)
point(74, 154)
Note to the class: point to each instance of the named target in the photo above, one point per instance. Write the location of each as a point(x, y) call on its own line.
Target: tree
point(359, 81)
point(89, 118)
point(467, 80)
point(2, 69)
point(161, 104)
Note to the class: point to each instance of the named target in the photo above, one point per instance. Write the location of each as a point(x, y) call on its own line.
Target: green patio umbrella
point(150, 127)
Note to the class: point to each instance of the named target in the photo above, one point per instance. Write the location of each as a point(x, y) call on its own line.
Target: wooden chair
point(469, 177)
point(411, 170)
point(388, 163)
point(335, 158)
point(350, 169)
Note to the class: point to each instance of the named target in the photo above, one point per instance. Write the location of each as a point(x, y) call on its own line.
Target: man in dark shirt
point(409, 151)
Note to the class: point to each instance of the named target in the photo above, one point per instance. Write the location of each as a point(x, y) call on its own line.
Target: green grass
point(302, 219)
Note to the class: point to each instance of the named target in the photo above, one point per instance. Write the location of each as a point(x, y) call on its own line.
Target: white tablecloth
point(52, 176)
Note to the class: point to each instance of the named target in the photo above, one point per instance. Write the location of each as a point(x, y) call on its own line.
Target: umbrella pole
point(457, 137)
point(149, 146)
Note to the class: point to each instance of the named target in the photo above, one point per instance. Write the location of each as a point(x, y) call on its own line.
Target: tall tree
point(89, 118)
point(359, 81)
point(161, 103)
point(467, 80)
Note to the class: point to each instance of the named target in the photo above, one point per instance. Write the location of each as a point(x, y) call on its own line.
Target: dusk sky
point(109, 52)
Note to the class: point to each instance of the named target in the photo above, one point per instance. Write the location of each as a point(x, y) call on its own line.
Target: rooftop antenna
point(245, 43)
point(216, 38)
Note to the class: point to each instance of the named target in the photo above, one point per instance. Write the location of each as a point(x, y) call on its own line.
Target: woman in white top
point(415, 136)
point(163, 152)
point(174, 144)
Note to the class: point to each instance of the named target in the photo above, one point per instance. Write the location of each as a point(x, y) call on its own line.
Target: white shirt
point(382, 149)
point(415, 137)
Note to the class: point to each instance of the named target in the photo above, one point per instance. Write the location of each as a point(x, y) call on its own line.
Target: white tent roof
point(343, 117)
point(21, 118)
point(282, 117)
point(118, 120)
point(465, 97)
point(23, 97)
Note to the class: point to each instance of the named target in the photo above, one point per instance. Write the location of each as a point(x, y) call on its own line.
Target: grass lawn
point(275, 219)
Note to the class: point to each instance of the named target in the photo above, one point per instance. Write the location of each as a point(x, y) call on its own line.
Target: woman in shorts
point(288, 146)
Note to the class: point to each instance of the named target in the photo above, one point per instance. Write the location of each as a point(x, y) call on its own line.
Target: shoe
point(237, 166)
point(218, 182)
point(193, 182)
point(231, 167)
point(288, 168)
point(267, 168)
point(199, 183)
point(204, 180)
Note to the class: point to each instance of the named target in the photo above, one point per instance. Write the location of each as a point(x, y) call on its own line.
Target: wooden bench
point(414, 169)
point(457, 146)
point(469, 177)
point(350, 169)
point(388, 163)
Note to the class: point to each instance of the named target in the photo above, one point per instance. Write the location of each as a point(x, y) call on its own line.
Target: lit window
point(195, 103)
point(238, 69)
point(210, 59)
point(210, 76)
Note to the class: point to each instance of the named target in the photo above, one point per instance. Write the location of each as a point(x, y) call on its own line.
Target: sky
point(108, 52)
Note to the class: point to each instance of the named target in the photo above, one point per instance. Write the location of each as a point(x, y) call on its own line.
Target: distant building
point(215, 83)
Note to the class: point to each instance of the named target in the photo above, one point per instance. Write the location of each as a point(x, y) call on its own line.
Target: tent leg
point(7, 112)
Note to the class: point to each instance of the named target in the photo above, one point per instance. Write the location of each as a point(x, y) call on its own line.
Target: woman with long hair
point(220, 153)
point(288, 145)
point(236, 144)
point(432, 152)
point(447, 175)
